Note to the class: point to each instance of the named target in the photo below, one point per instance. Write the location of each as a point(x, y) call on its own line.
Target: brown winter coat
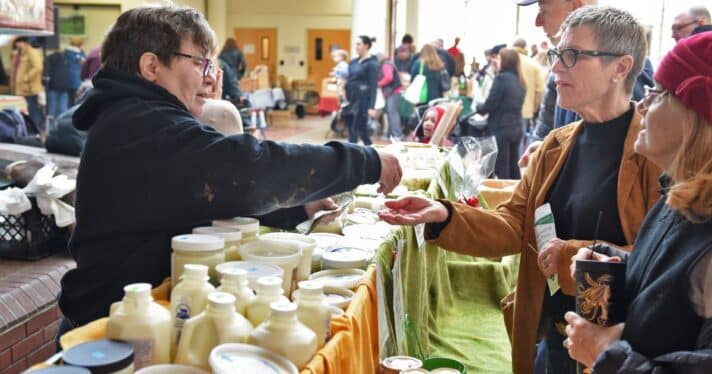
point(510, 229)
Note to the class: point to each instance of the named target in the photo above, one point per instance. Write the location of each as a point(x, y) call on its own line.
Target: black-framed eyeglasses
point(677, 28)
point(569, 56)
point(207, 65)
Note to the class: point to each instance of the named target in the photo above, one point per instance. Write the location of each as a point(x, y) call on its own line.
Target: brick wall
point(30, 342)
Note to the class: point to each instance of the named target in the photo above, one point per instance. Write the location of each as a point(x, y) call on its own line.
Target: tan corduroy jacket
point(510, 228)
point(28, 78)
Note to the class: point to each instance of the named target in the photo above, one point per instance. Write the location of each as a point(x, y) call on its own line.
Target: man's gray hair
point(616, 31)
point(520, 42)
point(700, 12)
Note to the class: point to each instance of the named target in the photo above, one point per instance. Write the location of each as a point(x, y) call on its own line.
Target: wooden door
point(320, 43)
point(259, 47)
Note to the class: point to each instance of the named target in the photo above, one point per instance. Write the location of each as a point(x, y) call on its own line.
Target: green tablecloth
point(451, 301)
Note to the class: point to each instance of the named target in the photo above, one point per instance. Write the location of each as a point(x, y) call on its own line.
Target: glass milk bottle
point(283, 334)
point(205, 250)
point(232, 237)
point(234, 281)
point(269, 290)
point(218, 324)
point(189, 298)
point(138, 320)
point(313, 311)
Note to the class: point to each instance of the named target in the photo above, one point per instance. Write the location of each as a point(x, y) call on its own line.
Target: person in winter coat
point(390, 85)
point(27, 78)
point(579, 170)
point(234, 57)
point(504, 109)
point(150, 170)
point(361, 89)
point(669, 272)
point(437, 79)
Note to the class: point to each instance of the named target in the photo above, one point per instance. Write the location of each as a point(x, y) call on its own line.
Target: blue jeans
point(394, 120)
point(36, 115)
point(57, 102)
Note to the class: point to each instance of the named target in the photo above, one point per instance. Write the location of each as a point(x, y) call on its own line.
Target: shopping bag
point(417, 92)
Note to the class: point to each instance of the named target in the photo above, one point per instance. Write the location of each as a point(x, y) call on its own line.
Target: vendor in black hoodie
point(150, 171)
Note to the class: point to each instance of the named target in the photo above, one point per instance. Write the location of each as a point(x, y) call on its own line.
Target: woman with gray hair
point(579, 171)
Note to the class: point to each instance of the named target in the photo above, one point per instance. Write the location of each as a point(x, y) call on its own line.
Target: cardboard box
point(248, 84)
point(281, 118)
point(329, 88)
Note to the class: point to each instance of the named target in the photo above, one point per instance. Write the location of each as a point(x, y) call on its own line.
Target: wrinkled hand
point(585, 254)
point(548, 259)
point(412, 210)
point(391, 172)
point(324, 204)
point(524, 160)
point(586, 340)
point(373, 113)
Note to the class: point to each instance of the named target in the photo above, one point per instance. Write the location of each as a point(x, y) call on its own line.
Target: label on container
point(143, 352)
point(181, 314)
point(545, 230)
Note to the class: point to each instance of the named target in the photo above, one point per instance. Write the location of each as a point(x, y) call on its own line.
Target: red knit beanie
point(686, 72)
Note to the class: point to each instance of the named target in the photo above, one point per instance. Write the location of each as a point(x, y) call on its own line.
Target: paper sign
point(545, 230)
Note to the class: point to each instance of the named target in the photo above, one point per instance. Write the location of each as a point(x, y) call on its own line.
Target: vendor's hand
point(324, 204)
point(373, 113)
point(586, 340)
point(548, 259)
point(412, 210)
point(585, 254)
point(524, 160)
point(391, 173)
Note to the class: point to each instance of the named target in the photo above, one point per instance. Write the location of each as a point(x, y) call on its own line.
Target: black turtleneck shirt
point(587, 184)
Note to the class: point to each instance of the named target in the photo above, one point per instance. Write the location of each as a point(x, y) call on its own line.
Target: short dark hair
point(156, 29)
point(367, 40)
point(407, 39)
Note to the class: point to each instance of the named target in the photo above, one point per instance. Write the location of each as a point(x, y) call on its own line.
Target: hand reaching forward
point(412, 210)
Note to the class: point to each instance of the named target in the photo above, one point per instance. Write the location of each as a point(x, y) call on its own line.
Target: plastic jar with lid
point(102, 357)
point(250, 227)
point(197, 249)
point(232, 237)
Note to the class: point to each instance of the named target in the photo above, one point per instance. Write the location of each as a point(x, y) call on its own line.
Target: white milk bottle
point(188, 298)
point(234, 281)
point(218, 324)
point(283, 334)
point(313, 311)
point(269, 290)
point(138, 320)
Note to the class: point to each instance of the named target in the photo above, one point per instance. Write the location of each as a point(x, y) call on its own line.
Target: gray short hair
point(156, 29)
point(615, 31)
point(697, 12)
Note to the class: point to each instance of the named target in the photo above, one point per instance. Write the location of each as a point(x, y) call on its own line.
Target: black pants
point(358, 124)
point(508, 153)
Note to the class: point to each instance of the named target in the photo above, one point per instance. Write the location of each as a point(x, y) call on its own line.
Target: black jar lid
point(64, 369)
point(100, 356)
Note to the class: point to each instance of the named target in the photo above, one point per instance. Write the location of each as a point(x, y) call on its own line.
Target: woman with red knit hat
point(431, 119)
point(669, 273)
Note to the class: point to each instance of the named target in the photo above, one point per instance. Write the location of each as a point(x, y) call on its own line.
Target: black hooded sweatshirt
point(150, 171)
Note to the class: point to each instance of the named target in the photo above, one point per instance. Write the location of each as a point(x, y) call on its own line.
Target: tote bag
point(417, 92)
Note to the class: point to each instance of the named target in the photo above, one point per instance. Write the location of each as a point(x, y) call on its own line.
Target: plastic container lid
point(197, 271)
point(326, 240)
point(197, 243)
point(343, 278)
point(229, 234)
point(269, 284)
point(338, 296)
point(368, 231)
point(447, 364)
point(245, 224)
point(346, 258)
point(283, 309)
point(304, 240)
point(221, 300)
point(101, 356)
point(255, 270)
point(138, 290)
point(236, 358)
point(401, 363)
point(311, 288)
point(171, 369)
point(236, 275)
point(64, 369)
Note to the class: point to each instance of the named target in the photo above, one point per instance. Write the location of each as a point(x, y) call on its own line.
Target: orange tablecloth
point(353, 347)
